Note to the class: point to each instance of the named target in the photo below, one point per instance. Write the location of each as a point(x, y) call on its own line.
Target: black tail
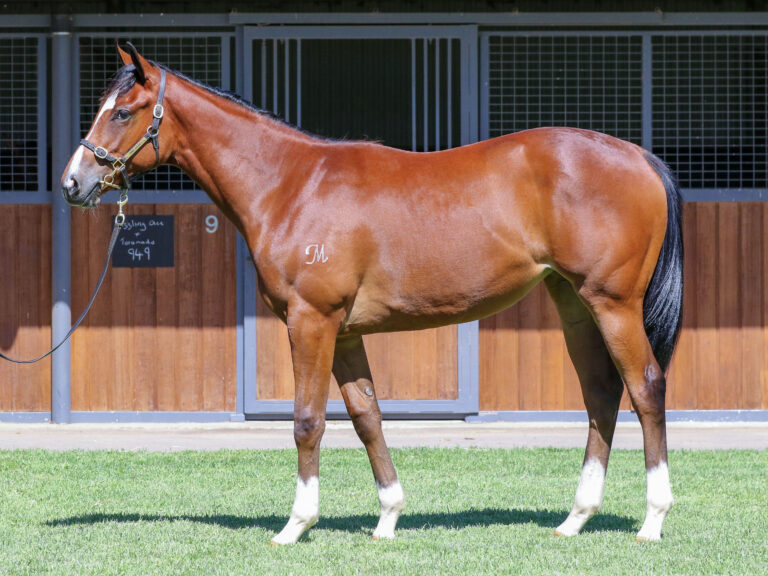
point(663, 305)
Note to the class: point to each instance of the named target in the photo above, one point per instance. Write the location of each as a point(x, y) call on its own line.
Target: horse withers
point(419, 240)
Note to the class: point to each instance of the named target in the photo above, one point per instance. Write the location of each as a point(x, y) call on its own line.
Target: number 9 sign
point(211, 224)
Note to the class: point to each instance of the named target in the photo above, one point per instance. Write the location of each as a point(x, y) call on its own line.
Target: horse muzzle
point(75, 195)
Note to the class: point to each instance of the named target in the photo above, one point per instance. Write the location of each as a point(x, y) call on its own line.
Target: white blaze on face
point(589, 498)
point(659, 501)
point(109, 104)
point(305, 511)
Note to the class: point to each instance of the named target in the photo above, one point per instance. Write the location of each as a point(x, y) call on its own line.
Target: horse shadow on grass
point(355, 523)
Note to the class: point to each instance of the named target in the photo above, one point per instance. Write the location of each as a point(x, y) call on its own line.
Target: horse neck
point(240, 158)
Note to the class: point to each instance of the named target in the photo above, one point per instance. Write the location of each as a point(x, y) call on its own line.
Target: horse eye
point(121, 114)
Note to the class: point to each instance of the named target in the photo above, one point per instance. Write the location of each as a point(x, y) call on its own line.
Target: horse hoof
point(646, 539)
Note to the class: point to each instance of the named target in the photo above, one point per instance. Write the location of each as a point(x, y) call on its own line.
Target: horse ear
point(124, 56)
point(132, 56)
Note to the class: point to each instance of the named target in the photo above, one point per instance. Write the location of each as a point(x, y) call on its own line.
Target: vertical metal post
point(241, 250)
point(425, 96)
point(647, 93)
point(61, 136)
point(287, 80)
point(468, 334)
point(42, 113)
point(414, 112)
point(298, 82)
point(437, 93)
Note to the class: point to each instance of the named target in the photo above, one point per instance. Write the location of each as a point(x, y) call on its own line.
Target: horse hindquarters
point(640, 336)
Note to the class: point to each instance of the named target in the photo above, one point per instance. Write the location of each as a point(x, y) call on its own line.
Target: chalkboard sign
point(144, 241)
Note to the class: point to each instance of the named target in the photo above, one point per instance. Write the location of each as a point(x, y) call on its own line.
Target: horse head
point(123, 140)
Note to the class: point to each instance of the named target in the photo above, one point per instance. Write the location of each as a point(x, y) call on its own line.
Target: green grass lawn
point(468, 512)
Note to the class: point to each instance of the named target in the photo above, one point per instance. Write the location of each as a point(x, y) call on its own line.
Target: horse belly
point(433, 300)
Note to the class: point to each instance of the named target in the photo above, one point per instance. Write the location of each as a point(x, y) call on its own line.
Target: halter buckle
point(158, 111)
point(100, 152)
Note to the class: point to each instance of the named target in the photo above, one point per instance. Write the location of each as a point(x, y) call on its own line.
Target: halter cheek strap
point(119, 164)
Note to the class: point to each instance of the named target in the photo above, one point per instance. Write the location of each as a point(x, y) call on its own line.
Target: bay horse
point(419, 240)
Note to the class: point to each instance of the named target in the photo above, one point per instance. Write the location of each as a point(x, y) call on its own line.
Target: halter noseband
point(119, 164)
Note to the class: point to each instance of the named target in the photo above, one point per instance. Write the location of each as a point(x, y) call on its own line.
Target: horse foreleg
point(350, 367)
point(625, 336)
point(601, 387)
point(312, 337)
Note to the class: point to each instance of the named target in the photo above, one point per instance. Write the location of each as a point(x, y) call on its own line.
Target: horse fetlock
point(651, 529)
point(588, 499)
point(658, 505)
point(293, 530)
point(576, 520)
point(659, 502)
point(304, 514)
point(392, 503)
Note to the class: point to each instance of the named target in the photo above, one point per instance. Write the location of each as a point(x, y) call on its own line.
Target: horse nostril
point(71, 187)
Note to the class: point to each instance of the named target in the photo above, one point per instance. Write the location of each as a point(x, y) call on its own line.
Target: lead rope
point(119, 221)
point(118, 167)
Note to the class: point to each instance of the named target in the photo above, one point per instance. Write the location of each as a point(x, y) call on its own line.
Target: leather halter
point(119, 164)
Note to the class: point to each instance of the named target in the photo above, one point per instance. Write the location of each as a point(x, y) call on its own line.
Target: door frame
point(467, 335)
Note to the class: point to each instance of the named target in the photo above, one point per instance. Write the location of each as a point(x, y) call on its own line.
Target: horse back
point(408, 240)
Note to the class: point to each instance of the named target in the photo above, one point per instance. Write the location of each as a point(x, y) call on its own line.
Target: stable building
point(179, 333)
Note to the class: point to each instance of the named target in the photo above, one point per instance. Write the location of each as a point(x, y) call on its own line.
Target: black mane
point(122, 81)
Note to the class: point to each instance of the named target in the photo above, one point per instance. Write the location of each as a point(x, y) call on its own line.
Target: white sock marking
point(392, 502)
point(588, 499)
point(305, 511)
point(659, 501)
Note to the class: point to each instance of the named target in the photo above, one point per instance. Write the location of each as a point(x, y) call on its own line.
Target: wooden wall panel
point(405, 365)
point(524, 363)
point(164, 338)
point(723, 364)
point(157, 338)
point(721, 361)
point(25, 306)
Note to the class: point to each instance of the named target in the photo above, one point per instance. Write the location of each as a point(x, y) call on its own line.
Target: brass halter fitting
point(122, 201)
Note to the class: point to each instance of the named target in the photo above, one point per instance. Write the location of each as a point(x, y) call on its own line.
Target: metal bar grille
point(436, 71)
point(585, 81)
point(432, 119)
point(19, 101)
point(710, 109)
point(199, 57)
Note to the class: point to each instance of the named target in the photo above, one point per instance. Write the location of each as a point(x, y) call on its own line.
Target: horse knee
point(308, 428)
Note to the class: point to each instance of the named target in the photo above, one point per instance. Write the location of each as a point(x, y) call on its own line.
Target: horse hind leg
point(350, 367)
point(622, 327)
point(601, 387)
